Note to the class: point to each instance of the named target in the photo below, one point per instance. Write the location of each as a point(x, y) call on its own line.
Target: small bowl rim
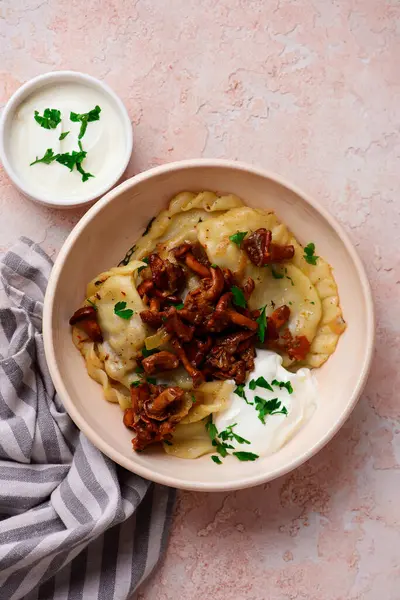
point(141, 470)
point(30, 87)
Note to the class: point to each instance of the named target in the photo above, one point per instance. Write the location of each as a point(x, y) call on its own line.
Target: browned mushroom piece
point(213, 288)
point(165, 274)
point(174, 325)
point(154, 413)
point(196, 266)
point(241, 320)
point(86, 318)
point(297, 347)
point(195, 374)
point(160, 361)
point(145, 287)
point(248, 288)
point(165, 405)
point(151, 318)
point(198, 350)
point(261, 251)
point(276, 320)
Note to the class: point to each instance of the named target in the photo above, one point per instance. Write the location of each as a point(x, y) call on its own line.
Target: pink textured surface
point(311, 90)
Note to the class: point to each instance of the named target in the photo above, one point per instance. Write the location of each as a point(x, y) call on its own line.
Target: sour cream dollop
point(104, 141)
point(278, 428)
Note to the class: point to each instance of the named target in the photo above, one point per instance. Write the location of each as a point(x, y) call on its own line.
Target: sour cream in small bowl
point(65, 139)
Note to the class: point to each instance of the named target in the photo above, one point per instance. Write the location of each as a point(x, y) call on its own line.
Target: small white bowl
point(101, 239)
point(56, 78)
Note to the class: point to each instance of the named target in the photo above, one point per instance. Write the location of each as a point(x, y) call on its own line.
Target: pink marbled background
point(309, 88)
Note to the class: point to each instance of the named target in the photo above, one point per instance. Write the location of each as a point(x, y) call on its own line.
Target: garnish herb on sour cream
point(265, 412)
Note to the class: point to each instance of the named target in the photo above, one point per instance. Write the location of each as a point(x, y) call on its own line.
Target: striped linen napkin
point(73, 524)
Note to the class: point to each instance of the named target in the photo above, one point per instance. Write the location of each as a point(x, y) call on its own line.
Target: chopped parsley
point(147, 353)
point(47, 158)
point(128, 257)
point(179, 306)
point(121, 311)
point(283, 384)
point(85, 174)
point(262, 324)
point(276, 274)
point(148, 226)
point(92, 303)
point(239, 390)
point(237, 238)
point(168, 442)
point(221, 445)
point(245, 456)
point(269, 407)
point(85, 118)
point(145, 260)
point(211, 430)
point(139, 370)
point(311, 302)
point(50, 119)
point(260, 382)
point(222, 448)
point(152, 380)
point(136, 383)
point(63, 136)
point(216, 459)
point(228, 434)
point(214, 266)
point(193, 398)
point(68, 159)
point(238, 297)
point(309, 254)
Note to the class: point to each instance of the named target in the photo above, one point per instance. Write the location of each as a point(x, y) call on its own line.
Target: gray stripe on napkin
point(74, 524)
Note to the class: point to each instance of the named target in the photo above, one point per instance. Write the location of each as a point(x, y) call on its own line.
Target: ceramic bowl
point(55, 79)
point(102, 238)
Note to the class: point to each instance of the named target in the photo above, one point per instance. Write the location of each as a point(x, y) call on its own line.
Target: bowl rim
point(141, 470)
point(32, 85)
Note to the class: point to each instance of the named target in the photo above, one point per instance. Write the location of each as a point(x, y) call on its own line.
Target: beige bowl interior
point(101, 239)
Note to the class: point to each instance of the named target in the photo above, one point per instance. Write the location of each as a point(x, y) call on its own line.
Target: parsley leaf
point(309, 254)
point(145, 260)
point(148, 227)
point(268, 407)
point(276, 274)
point(85, 118)
point(139, 370)
point(146, 352)
point(85, 174)
point(92, 303)
point(168, 442)
point(193, 398)
point(50, 119)
point(179, 306)
point(238, 296)
point(152, 380)
point(283, 384)
point(211, 430)
point(216, 459)
point(63, 136)
point(245, 456)
point(260, 382)
point(47, 158)
point(237, 238)
point(228, 434)
point(222, 449)
point(136, 383)
point(121, 311)
point(128, 257)
point(239, 390)
point(214, 266)
point(262, 324)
